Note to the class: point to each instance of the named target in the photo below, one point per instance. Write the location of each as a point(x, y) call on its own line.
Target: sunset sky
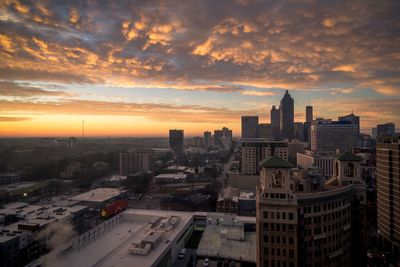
point(139, 68)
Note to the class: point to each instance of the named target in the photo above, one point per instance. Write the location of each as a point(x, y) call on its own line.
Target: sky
point(139, 68)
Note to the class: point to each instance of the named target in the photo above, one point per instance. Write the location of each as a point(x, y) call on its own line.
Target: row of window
point(278, 227)
point(278, 239)
point(327, 217)
point(325, 207)
point(278, 263)
point(278, 215)
point(278, 252)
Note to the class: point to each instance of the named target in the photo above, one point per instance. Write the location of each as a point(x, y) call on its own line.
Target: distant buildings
point(176, 139)
point(303, 222)
point(287, 116)
point(330, 136)
point(135, 161)
point(322, 161)
point(265, 131)
point(388, 194)
point(249, 126)
point(223, 138)
point(9, 178)
point(207, 139)
point(298, 133)
point(353, 119)
point(198, 141)
point(253, 151)
point(309, 114)
point(276, 123)
point(386, 130)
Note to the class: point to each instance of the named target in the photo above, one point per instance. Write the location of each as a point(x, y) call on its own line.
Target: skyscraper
point(353, 119)
point(388, 196)
point(249, 126)
point(387, 129)
point(287, 116)
point(176, 141)
point(265, 131)
point(309, 114)
point(276, 123)
point(330, 136)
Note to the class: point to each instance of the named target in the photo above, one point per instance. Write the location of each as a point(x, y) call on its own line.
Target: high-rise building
point(309, 114)
point(301, 221)
point(207, 139)
point(287, 116)
point(276, 123)
point(176, 138)
point(386, 130)
point(135, 161)
point(322, 161)
point(353, 119)
point(299, 131)
point(217, 138)
point(330, 136)
point(249, 126)
point(253, 151)
point(388, 196)
point(265, 131)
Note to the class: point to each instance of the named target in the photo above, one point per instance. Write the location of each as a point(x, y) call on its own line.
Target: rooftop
point(98, 195)
point(276, 162)
point(347, 156)
point(118, 245)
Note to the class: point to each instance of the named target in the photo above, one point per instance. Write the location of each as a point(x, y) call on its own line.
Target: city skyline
point(140, 69)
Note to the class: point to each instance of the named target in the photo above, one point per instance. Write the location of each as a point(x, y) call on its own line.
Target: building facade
point(176, 139)
point(388, 196)
point(353, 119)
point(287, 116)
point(309, 114)
point(276, 123)
point(255, 150)
point(333, 136)
point(207, 139)
point(265, 131)
point(301, 221)
point(135, 161)
point(249, 126)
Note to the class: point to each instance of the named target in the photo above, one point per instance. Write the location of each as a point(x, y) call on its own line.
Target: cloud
point(203, 45)
point(13, 119)
point(18, 90)
point(257, 93)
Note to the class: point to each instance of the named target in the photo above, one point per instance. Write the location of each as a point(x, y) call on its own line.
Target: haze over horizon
point(136, 68)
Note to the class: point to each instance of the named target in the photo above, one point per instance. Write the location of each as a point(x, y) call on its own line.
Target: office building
point(388, 196)
point(138, 160)
point(385, 130)
point(301, 221)
point(276, 123)
point(265, 131)
point(352, 119)
point(321, 161)
point(207, 139)
point(309, 114)
point(295, 147)
point(333, 136)
point(253, 151)
point(176, 139)
point(298, 133)
point(287, 116)
point(249, 126)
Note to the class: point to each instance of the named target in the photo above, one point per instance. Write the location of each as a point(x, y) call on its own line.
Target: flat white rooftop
point(110, 247)
point(98, 195)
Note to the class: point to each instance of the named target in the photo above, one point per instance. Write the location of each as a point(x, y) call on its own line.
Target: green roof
point(276, 162)
point(347, 156)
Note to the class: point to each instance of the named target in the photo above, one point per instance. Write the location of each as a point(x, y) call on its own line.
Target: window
point(290, 215)
point(291, 240)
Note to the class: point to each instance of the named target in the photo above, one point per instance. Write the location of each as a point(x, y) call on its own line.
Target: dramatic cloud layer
point(242, 49)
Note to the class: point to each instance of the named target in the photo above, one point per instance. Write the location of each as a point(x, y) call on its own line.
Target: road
point(226, 170)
